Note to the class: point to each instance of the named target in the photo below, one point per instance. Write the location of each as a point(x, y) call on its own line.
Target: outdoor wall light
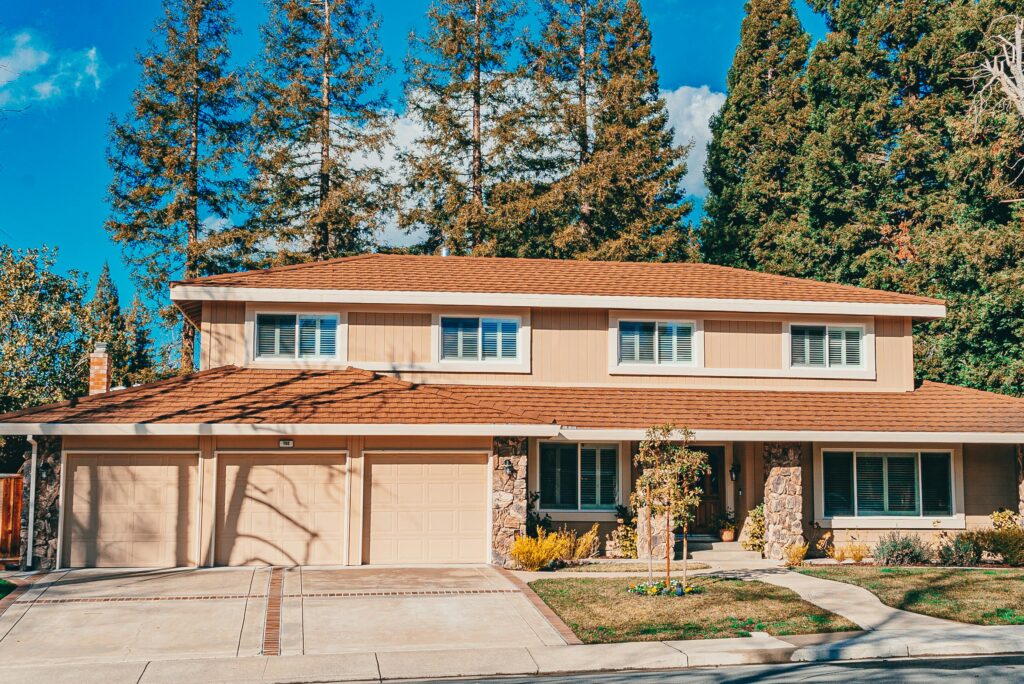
point(510, 469)
point(734, 471)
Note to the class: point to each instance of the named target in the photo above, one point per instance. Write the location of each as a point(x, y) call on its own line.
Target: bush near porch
point(981, 596)
point(5, 588)
point(600, 610)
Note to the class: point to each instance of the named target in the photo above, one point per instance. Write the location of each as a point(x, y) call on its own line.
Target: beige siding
point(742, 344)
point(989, 481)
point(389, 337)
point(223, 335)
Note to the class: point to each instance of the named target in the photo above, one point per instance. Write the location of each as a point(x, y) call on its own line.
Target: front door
point(713, 486)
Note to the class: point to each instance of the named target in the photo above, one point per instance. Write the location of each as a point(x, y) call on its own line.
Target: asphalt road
point(998, 669)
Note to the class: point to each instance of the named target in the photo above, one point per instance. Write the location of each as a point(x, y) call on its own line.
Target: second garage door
point(280, 509)
point(426, 509)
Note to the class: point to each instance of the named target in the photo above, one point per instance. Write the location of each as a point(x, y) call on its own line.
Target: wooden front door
point(713, 498)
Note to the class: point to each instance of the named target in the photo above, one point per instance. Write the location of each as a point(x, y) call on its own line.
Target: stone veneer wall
point(1020, 479)
point(658, 537)
point(509, 499)
point(783, 498)
point(47, 503)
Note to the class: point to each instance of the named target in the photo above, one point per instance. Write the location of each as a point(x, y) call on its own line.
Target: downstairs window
point(575, 477)
point(872, 483)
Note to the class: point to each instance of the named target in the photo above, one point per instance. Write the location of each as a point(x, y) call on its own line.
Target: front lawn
point(630, 566)
point(600, 610)
point(981, 597)
point(5, 588)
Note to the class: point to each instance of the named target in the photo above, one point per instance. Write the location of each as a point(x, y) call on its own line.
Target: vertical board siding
point(742, 344)
point(391, 336)
point(11, 487)
point(223, 335)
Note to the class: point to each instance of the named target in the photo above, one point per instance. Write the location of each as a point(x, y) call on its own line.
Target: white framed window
point(656, 342)
point(471, 338)
point(578, 477)
point(887, 483)
point(296, 336)
point(826, 346)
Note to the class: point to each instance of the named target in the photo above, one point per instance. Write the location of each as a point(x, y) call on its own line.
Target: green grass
point(600, 610)
point(5, 587)
point(980, 597)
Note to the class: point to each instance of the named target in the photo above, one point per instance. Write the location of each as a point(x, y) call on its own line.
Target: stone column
point(658, 540)
point(1020, 479)
point(783, 498)
point(47, 503)
point(509, 499)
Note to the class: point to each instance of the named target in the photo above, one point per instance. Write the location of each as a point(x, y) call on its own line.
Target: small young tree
point(669, 483)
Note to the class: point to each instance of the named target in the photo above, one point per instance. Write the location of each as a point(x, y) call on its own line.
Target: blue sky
point(66, 67)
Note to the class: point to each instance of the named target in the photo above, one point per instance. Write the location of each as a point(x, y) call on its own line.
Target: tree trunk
point(476, 172)
point(686, 550)
point(669, 544)
point(582, 133)
point(650, 537)
point(321, 240)
point(191, 269)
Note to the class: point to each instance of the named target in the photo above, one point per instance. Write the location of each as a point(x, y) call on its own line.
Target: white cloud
point(31, 72)
point(690, 111)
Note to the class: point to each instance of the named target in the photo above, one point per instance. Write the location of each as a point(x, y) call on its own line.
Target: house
point(402, 409)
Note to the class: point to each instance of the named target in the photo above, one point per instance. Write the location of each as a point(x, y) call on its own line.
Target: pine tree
point(172, 156)
point(461, 90)
point(319, 126)
point(139, 364)
point(635, 169)
point(103, 322)
point(753, 164)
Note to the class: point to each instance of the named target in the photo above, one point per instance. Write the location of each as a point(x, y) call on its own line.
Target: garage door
point(131, 510)
point(426, 509)
point(280, 509)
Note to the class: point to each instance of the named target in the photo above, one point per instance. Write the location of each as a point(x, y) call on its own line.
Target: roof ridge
point(276, 269)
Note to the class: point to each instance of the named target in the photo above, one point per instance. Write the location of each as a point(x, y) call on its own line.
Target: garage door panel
point(131, 510)
point(281, 509)
point(426, 509)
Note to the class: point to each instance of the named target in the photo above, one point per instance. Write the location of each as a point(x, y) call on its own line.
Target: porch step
point(721, 552)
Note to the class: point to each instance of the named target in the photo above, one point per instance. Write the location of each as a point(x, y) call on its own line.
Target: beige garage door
point(280, 509)
point(426, 509)
point(131, 510)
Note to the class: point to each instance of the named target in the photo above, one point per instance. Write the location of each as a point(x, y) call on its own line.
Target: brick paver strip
point(119, 599)
point(272, 621)
point(21, 586)
point(563, 629)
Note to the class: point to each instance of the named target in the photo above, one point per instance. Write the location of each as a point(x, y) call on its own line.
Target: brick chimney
point(99, 370)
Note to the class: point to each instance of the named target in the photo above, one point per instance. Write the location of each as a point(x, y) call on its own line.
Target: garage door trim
point(347, 512)
point(488, 486)
point(62, 489)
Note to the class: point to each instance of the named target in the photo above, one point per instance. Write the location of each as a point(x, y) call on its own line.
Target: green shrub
point(963, 549)
point(755, 530)
point(896, 548)
point(1007, 543)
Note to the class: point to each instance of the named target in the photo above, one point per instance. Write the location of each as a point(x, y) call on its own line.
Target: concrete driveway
point(125, 615)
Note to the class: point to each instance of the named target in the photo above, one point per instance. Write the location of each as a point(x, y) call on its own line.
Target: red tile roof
point(932, 407)
point(481, 275)
point(232, 395)
point(246, 395)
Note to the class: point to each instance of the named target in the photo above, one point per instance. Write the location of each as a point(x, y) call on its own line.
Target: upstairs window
point(655, 342)
point(479, 339)
point(887, 484)
point(820, 346)
point(291, 336)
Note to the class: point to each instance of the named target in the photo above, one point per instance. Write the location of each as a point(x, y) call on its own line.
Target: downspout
point(30, 533)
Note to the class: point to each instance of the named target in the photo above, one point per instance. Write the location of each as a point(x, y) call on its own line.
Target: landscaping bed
point(600, 610)
point(977, 596)
point(5, 588)
point(630, 566)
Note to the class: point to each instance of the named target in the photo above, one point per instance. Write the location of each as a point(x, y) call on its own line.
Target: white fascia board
point(180, 293)
point(256, 429)
point(633, 434)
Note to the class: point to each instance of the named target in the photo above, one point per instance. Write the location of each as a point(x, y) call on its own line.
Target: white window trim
point(579, 513)
point(339, 360)
point(866, 371)
point(957, 521)
point(671, 368)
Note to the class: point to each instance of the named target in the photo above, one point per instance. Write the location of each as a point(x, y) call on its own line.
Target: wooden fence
point(10, 518)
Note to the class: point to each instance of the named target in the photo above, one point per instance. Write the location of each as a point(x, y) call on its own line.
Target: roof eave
point(198, 293)
point(268, 429)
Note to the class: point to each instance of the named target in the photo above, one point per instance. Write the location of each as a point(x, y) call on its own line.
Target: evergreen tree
point(635, 169)
point(103, 322)
point(319, 125)
point(172, 156)
point(753, 164)
point(139, 365)
point(461, 90)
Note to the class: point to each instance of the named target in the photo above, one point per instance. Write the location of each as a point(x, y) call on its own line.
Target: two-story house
point(404, 409)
